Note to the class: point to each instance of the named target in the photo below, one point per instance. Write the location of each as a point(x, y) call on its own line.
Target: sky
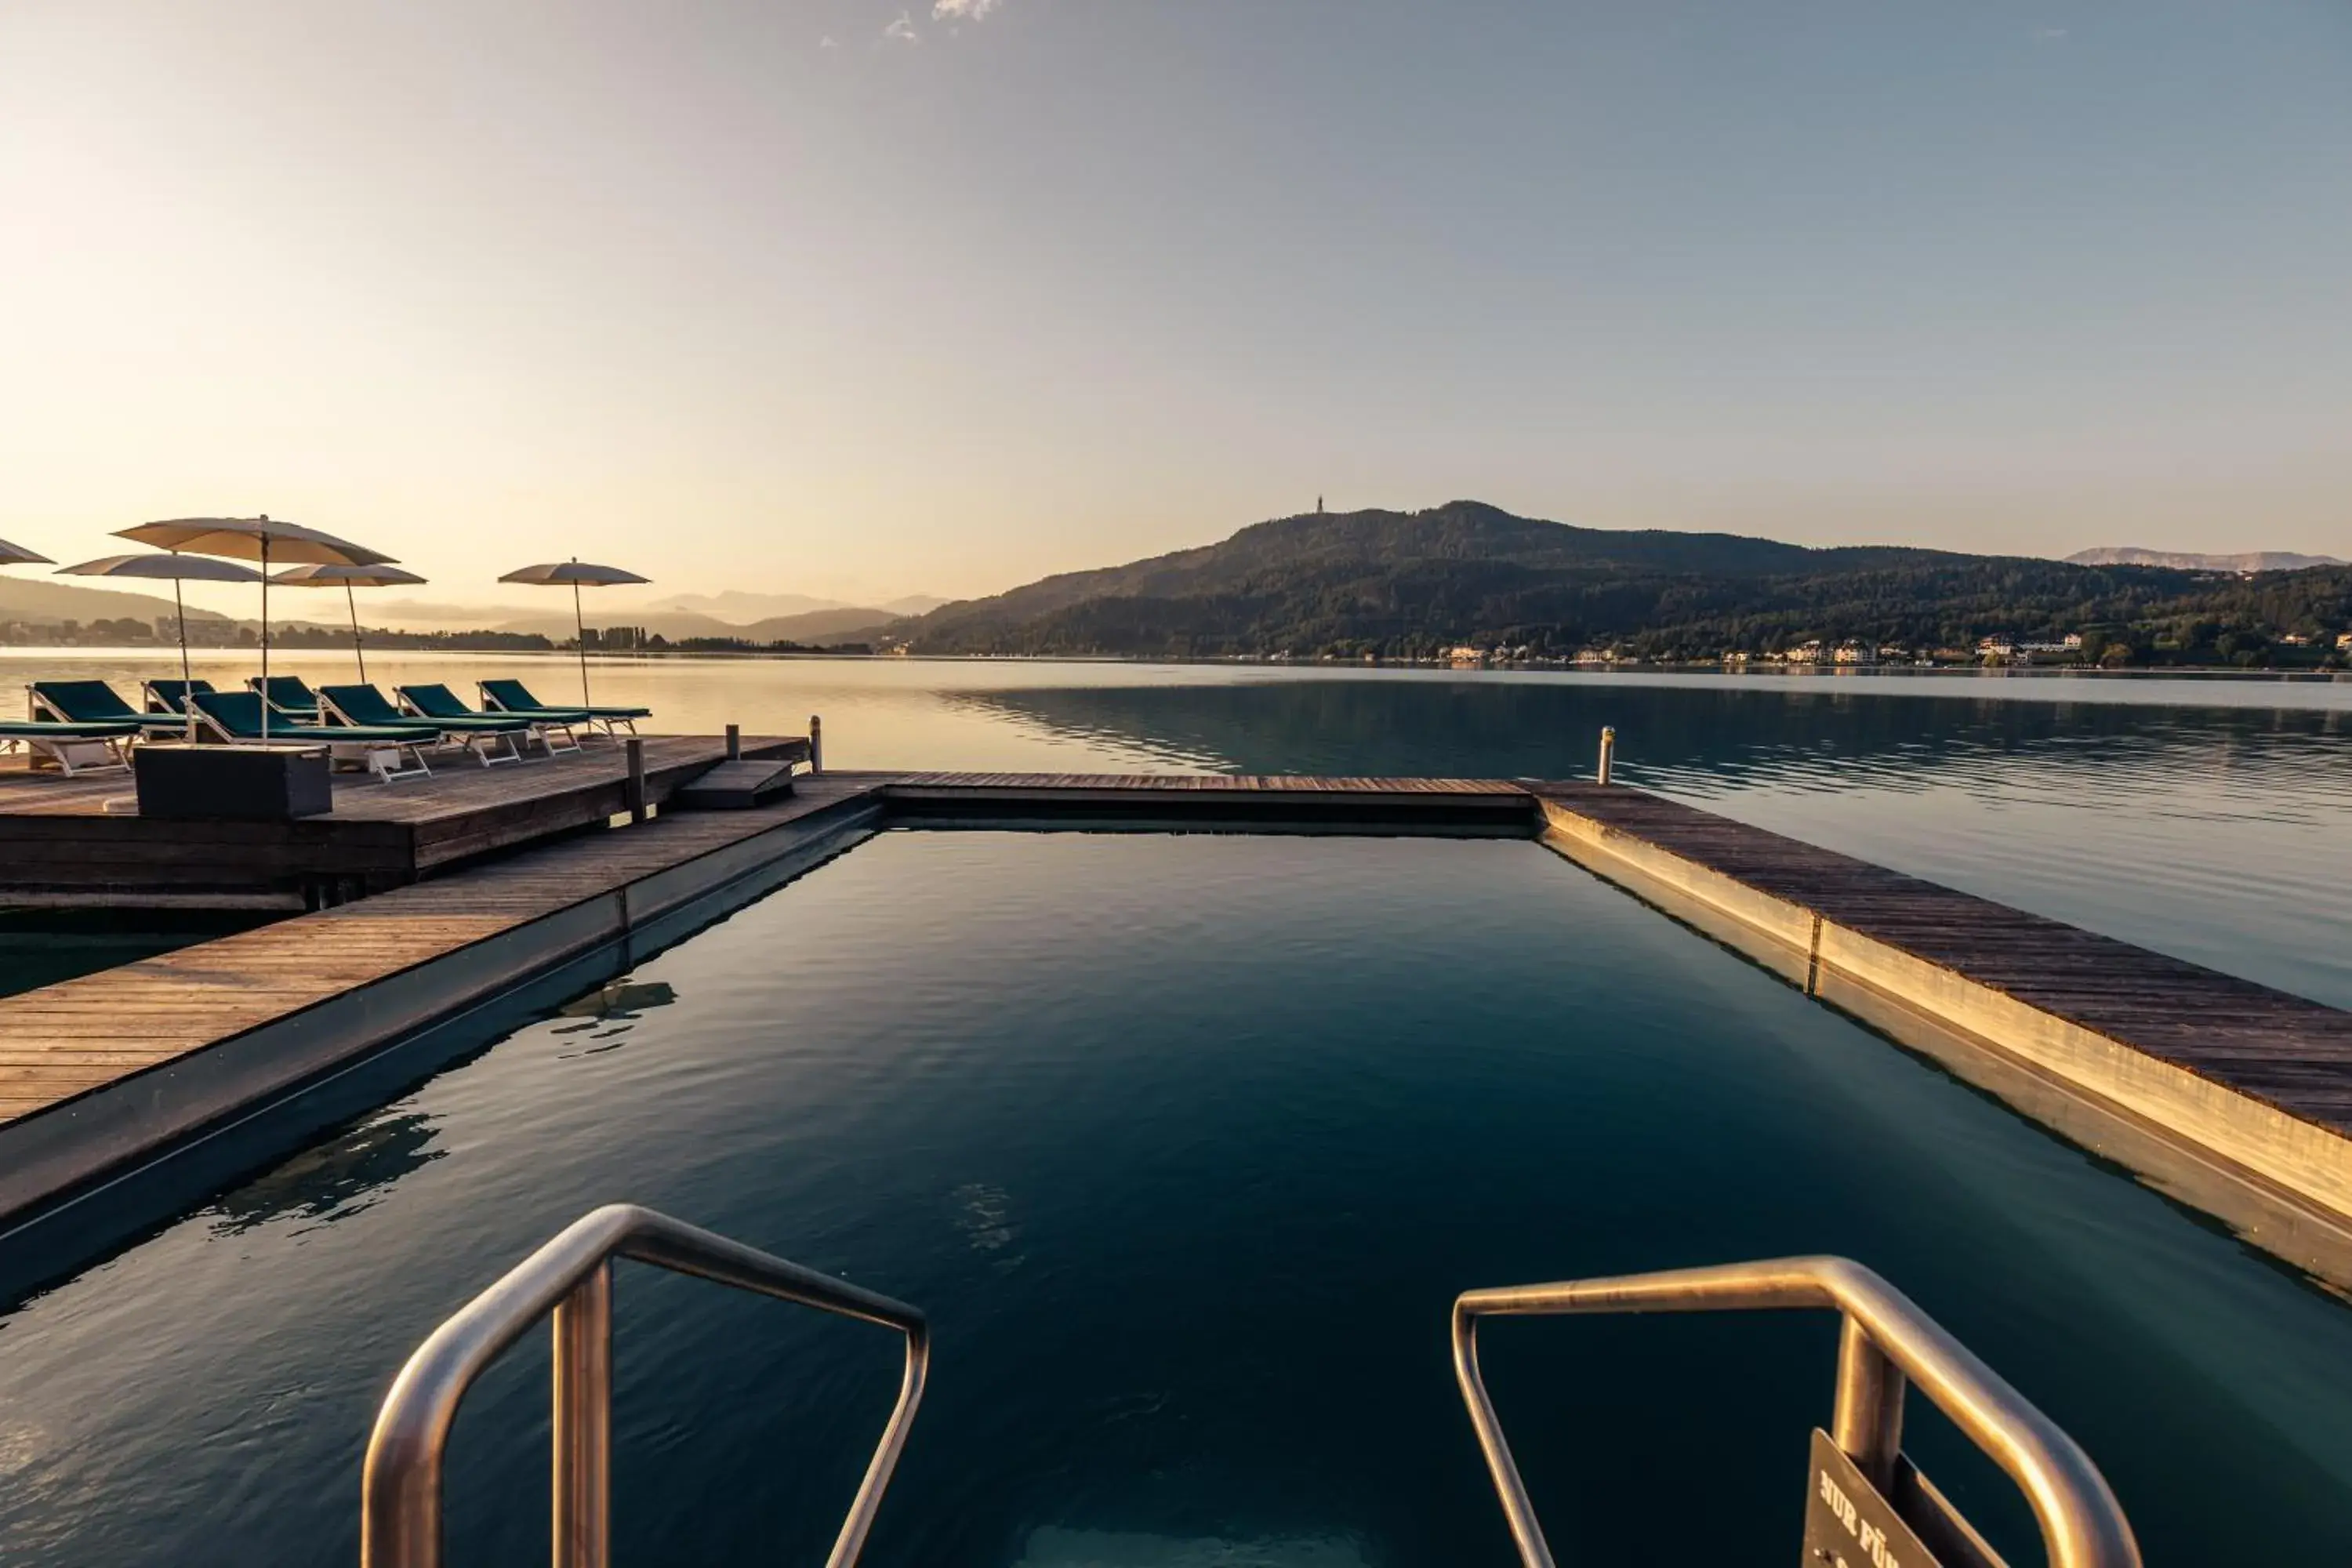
point(862, 298)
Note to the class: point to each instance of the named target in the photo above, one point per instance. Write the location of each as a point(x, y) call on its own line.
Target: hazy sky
point(864, 299)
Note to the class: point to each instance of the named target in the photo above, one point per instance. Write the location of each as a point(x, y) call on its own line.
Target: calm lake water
point(1187, 1143)
point(2207, 817)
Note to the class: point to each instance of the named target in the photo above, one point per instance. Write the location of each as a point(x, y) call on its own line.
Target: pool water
point(1186, 1144)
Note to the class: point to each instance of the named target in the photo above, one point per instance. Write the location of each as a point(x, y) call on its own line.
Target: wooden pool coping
point(106, 1073)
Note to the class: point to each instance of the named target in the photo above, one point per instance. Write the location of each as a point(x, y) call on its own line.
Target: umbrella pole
point(579, 640)
point(357, 651)
point(187, 701)
point(265, 639)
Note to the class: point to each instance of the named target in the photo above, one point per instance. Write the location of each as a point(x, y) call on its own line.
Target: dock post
point(816, 744)
point(1608, 750)
point(633, 791)
point(734, 743)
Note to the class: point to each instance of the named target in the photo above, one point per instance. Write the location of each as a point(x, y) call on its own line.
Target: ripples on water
point(1185, 1144)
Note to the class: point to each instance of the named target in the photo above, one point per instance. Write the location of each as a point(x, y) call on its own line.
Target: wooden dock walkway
point(1230, 801)
point(58, 844)
point(2159, 1063)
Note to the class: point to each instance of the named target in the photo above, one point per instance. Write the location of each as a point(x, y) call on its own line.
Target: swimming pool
point(1185, 1144)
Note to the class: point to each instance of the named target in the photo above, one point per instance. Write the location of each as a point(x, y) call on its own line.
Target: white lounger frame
point(381, 758)
point(74, 754)
point(546, 729)
point(483, 747)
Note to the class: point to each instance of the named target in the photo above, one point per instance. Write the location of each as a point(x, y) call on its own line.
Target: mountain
point(747, 617)
point(736, 607)
point(1416, 583)
point(751, 612)
point(44, 602)
point(2190, 561)
point(47, 603)
point(816, 626)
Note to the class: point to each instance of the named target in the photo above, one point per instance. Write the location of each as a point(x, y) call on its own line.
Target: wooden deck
point(58, 843)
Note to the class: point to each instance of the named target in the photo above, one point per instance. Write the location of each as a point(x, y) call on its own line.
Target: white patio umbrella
point(17, 555)
point(179, 569)
point(325, 574)
point(260, 538)
point(579, 574)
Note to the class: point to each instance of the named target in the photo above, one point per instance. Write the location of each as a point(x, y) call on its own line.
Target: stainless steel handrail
point(571, 1276)
point(1884, 1341)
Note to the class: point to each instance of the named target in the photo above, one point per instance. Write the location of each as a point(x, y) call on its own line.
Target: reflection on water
point(344, 1176)
point(350, 1172)
point(2222, 834)
point(610, 1013)
point(624, 998)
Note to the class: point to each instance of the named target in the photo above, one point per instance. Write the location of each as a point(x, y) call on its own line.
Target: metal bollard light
point(1608, 750)
point(734, 743)
point(816, 744)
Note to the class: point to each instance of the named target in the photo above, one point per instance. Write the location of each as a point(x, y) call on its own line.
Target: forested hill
point(1411, 583)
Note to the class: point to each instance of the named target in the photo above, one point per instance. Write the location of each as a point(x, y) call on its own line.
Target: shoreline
point(1237, 661)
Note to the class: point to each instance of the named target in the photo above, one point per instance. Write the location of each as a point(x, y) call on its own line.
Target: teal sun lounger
point(363, 706)
point(289, 695)
point(514, 697)
point(438, 702)
point(95, 702)
point(171, 696)
point(235, 719)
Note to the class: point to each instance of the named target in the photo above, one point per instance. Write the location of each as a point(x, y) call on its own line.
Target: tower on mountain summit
point(1318, 506)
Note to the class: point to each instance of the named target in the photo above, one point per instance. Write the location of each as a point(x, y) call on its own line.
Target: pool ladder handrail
point(572, 1278)
point(1885, 1343)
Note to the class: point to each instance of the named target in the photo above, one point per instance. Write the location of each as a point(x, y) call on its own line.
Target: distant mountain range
point(740, 608)
point(754, 618)
point(45, 601)
point(2190, 561)
point(1414, 583)
point(1406, 583)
